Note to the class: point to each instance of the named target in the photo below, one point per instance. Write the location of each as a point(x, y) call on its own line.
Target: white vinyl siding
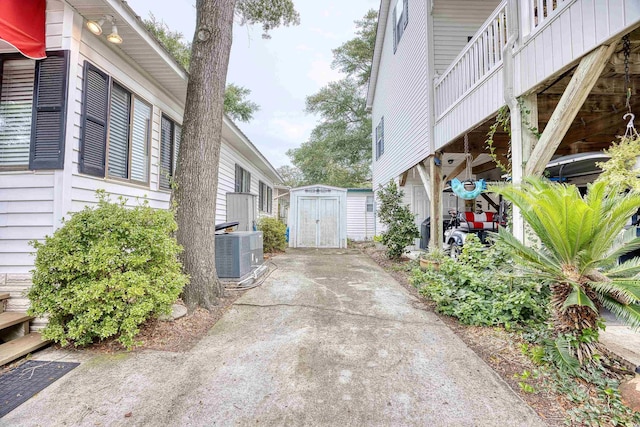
point(401, 96)
point(454, 21)
point(16, 104)
point(360, 216)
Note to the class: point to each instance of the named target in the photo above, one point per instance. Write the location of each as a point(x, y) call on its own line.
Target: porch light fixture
point(95, 26)
point(114, 37)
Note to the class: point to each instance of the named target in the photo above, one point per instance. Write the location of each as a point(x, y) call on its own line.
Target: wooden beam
point(435, 205)
point(403, 178)
point(581, 83)
point(456, 171)
point(424, 176)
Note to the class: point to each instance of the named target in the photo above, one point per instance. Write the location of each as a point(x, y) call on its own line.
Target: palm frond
point(622, 289)
point(628, 313)
point(578, 297)
point(626, 269)
point(562, 354)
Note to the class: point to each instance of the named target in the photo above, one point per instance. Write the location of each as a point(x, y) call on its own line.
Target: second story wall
point(401, 95)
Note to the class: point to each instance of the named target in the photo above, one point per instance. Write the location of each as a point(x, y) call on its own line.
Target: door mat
point(21, 383)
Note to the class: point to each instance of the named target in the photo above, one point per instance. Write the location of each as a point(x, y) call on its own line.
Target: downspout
point(517, 166)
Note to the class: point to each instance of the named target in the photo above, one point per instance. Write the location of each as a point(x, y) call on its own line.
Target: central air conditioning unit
point(238, 253)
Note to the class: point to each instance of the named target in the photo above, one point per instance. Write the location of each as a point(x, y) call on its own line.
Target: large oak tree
point(196, 178)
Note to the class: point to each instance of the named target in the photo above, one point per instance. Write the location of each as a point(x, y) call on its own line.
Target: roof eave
point(381, 28)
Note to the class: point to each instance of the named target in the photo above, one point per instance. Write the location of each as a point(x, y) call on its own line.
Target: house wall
point(33, 203)
point(360, 223)
point(402, 97)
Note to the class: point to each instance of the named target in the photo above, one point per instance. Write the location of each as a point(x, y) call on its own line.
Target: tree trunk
point(197, 171)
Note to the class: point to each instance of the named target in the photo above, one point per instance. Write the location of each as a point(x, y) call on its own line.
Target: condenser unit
point(238, 253)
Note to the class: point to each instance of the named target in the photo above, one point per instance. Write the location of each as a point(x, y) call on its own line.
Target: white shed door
point(318, 223)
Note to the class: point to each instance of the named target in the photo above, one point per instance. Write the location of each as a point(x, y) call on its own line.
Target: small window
point(265, 197)
point(16, 104)
point(243, 180)
point(369, 203)
point(380, 139)
point(400, 21)
point(170, 137)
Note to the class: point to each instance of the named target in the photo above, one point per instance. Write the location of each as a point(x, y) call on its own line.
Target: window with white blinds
point(140, 140)
point(129, 131)
point(119, 132)
point(16, 104)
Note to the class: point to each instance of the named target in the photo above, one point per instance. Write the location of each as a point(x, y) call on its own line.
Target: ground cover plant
point(480, 288)
point(106, 271)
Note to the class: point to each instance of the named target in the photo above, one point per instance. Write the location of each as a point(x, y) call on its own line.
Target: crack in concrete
point(348, 313)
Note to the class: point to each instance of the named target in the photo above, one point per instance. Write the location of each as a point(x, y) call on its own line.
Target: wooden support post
point(403, 178)
point(424, 177)
point(583, 80)
point(435, 201)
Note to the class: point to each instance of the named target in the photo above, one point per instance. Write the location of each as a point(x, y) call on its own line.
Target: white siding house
point(361, 214)
point(119, 114)
point(443, 68)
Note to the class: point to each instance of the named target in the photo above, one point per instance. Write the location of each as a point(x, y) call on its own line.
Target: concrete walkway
point(329, 339)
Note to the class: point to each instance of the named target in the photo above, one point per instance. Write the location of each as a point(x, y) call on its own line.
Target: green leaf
point(578, 297)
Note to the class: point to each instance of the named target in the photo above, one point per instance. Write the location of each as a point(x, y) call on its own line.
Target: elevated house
point(443, 69)
point(90, 100)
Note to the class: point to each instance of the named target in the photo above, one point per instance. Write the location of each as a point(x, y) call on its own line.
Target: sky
point(280, 72)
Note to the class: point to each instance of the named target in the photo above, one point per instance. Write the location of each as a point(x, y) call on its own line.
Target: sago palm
point(581, 239)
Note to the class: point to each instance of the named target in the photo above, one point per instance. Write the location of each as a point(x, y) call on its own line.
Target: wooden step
point(20, 346)
point(4, 296)
point(10, 318)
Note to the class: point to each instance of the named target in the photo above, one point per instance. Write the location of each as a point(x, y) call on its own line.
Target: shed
point(318, 217)
point(361, 214)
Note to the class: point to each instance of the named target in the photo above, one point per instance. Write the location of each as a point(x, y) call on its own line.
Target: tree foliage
point(291, 175)
point(270, 13)
point(236, 98)
point(236, 104)
point(339, 149)
point(619, 169)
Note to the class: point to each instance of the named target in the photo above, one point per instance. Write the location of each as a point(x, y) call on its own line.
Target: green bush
point(106, 271)
point(398, 219)
point(479, 288)
point(273, 235)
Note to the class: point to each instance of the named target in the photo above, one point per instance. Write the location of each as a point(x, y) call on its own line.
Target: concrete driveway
point(329, 339)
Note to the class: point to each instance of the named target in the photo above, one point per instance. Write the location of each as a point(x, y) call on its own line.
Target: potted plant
point(432, 259)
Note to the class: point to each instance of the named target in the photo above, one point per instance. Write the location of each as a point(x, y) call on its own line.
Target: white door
point(318, 223)
point(307, 222)
point(420, 207)
point(329, 223)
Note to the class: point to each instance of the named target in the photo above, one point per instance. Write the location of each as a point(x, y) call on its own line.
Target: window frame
point(380, 138)
point(265, 197)
point(172, 151)
point(13, 57)
point(367, 204)
point(132, 97)
point(244, 173)
point(399, 22)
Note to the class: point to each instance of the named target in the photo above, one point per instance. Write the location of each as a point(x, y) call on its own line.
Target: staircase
point(16, 340)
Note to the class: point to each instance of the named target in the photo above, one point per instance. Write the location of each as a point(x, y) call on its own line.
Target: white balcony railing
point(536, 13)
point(480, 57)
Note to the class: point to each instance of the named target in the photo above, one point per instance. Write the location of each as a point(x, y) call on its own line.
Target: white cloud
point(325, 34)
point(321, 72)
point(294, 128)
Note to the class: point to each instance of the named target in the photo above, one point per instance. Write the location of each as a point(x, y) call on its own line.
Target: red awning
point(22, 24)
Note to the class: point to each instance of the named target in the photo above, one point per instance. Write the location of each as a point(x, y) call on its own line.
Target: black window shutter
point(93, 137)
point(48, 122)
point(166, 151)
